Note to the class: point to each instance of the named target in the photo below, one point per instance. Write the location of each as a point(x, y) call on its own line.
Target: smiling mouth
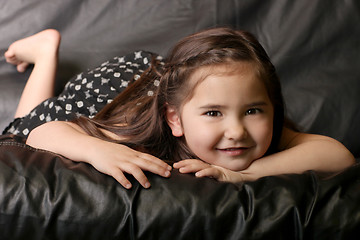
point(233, 151)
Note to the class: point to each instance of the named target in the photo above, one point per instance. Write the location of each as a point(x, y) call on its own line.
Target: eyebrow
point(249, 105)
point(211, 106)
point(255, 104)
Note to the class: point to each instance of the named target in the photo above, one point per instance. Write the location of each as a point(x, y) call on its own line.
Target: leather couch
point(315, 48)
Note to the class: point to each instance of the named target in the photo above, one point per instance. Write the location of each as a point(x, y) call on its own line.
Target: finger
point(145, 161)
point(209, 172)
point(184, 163)
point(137, 173)
point(9, 55)
point(21, 67)
point(12, 60)
point(120, 177)
point(193, 167)
point(179, 164)
point(156, 160)
point(152, 165)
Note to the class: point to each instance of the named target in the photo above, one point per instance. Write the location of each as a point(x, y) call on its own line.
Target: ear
point(174, 122)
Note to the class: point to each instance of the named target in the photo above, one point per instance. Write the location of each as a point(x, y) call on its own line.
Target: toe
point(21, 67)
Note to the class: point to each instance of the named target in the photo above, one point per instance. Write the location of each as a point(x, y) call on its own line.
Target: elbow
point(349, 159)
point(40, 137)
point(344, 159)
point(345, 156)
point(341, 157)
point(33, 139)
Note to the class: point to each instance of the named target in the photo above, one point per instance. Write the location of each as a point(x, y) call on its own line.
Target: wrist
point(91, 149)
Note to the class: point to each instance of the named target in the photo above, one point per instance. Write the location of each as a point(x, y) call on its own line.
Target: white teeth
point(232, 149)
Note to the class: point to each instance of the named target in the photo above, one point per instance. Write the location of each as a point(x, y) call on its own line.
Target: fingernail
point(167, 173)
point(169, 168)
point(128, 186)
point(147, 185)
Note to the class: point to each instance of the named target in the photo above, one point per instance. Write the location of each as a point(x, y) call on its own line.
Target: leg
point(41, 50)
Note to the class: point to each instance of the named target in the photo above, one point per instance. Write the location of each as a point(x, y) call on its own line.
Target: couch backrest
point(314, 45)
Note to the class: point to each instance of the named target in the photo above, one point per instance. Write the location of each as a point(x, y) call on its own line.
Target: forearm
point(320, 154)
point(63, 138)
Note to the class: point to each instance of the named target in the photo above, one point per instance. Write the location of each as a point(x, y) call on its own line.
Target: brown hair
point(138, 113)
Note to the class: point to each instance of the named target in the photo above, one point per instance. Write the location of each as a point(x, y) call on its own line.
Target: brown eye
point(253, 111)
point(213, 113)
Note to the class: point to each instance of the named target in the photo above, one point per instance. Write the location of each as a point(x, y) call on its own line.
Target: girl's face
point(228, 121)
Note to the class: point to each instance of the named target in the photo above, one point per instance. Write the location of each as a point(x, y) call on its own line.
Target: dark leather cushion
point(45, 196)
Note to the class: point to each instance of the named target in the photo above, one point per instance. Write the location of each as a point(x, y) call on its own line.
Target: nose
point(235, 130)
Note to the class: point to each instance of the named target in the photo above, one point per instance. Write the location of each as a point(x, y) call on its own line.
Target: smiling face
point(228, 121)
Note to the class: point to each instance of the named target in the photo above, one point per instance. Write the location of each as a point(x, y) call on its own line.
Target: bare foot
point(33, 49)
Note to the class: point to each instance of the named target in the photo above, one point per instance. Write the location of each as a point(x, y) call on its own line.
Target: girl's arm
point(299, 152)
point(69, 140)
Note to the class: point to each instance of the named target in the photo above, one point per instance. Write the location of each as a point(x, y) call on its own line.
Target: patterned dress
point(85, 94)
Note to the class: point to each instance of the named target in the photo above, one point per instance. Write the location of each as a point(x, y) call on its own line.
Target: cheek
point(262, 134)
point(200, 137)
point(267, 135)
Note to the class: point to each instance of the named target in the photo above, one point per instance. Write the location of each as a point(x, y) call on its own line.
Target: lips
point(236, 151)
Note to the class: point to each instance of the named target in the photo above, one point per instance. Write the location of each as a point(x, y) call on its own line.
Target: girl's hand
point(116, 159)
point(69, 140)
point(202, 169)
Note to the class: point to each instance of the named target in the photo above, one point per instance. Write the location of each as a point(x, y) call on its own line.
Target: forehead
point(237, 80)
point(224, 69)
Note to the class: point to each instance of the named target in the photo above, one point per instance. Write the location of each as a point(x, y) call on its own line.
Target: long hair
point(138, 114)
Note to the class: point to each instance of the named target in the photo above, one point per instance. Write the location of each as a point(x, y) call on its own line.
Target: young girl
point(214, 108)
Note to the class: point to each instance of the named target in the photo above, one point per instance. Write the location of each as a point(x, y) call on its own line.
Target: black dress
point(85, 94)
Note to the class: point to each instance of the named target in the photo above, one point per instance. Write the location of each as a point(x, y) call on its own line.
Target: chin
point(244, 163)
point(238, 166)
